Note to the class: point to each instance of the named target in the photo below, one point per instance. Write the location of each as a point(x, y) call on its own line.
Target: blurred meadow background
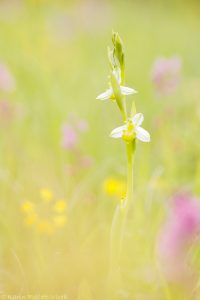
point(62, 176)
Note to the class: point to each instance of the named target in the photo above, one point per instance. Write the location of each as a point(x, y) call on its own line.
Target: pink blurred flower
point(6, 110)
point(82, 125)
point(62, 25)
point(180, 232)
point(10, 111)
point(7, 81)
point(93, 15)
point(86, 161)
point(166, 74)
point(70, 137)
point(71, 131)
point(71, 169)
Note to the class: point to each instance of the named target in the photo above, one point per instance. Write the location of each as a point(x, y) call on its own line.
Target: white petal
point(142, 134)
point(106, 95)
point(138, 119)
point(126, 90)
point(118, 132)
point(117, 73)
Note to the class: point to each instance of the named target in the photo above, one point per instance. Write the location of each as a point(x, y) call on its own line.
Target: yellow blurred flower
point(121, 189)
point(27, 207)
point(46, 195)
point(46, 216)
point(109, 186)
point(60, 221)
point(30, 219)
point(60, 206)
point(45, 226)
point(114, 187)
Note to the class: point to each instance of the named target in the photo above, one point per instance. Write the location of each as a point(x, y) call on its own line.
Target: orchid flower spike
point(132, 130)
point(109, 93)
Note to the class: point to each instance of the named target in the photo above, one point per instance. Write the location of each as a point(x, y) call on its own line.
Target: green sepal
point(111, 58)
point(117, 92)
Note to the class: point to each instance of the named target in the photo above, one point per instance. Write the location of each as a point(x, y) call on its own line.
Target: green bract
point(118, 50)
point(116, 91)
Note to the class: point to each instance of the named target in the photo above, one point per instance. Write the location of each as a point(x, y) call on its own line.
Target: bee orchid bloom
point(109, 94)
point(132, 130)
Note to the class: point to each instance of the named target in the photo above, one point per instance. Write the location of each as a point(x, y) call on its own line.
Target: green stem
point(118, 228)
point(130, 156)
point(130, 148)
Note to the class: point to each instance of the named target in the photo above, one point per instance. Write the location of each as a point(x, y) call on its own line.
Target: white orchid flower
point(109, 94)
point(132, 130)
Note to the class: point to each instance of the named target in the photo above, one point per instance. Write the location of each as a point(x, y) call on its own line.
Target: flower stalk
point(130, 147)
point(128, 132)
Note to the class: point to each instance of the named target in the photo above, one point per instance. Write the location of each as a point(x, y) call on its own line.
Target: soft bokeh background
point(56, 59)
